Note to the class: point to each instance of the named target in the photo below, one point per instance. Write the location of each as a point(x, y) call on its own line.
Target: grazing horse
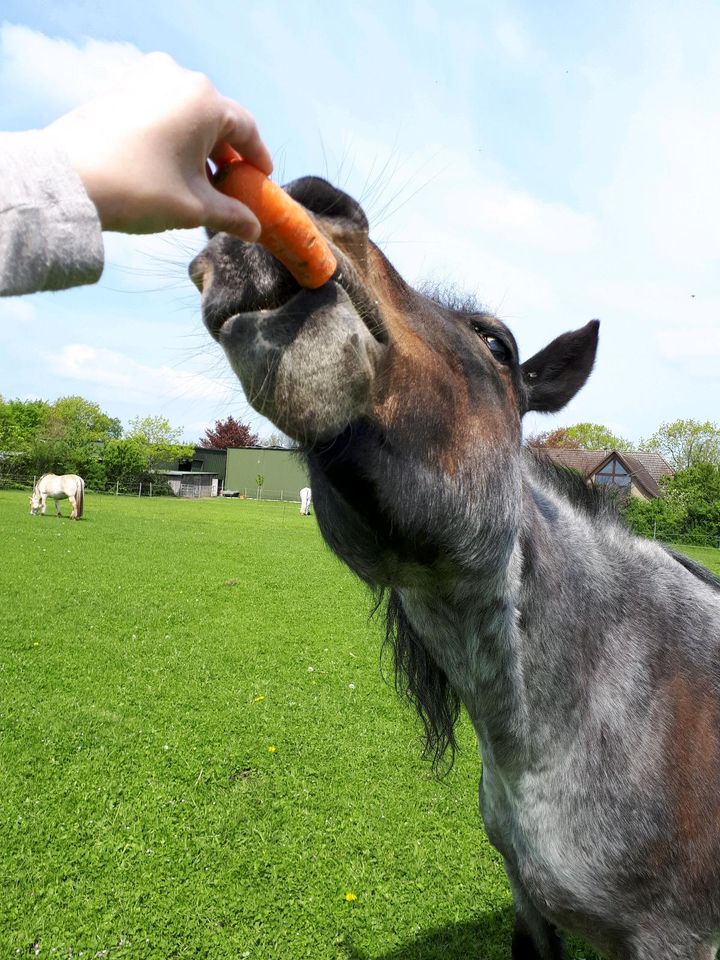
point(67, 487)
point(587, 659)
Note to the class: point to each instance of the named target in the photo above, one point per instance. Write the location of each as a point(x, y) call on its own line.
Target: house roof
point(645, 469)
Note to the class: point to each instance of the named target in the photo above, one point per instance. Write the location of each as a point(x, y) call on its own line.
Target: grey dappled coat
point(587, 659)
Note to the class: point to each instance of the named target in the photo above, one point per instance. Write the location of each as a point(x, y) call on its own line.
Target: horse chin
point(309, 365)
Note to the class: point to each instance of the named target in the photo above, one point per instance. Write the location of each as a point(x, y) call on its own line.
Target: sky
point(558, 161)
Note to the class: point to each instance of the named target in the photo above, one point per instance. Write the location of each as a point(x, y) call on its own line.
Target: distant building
point(187, 483)
point(237, 469)
point(634, 472)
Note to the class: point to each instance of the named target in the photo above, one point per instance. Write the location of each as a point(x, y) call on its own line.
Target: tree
point(276, 440)
point(20, 421)
point(686, 443)
point(126, 461)
point(160, 440)
point(80, 422)
point(154, 431)
point(689, 512)
point(72, 438)
point(228, 433)
point(580, 436)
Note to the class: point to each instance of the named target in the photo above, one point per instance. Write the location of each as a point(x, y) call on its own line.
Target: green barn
point(283, 471)
point(237, 469)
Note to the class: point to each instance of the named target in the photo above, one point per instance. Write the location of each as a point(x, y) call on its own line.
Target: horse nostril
point(200, 272)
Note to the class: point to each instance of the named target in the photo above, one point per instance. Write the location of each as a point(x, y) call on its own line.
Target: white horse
point(305, 501)
point(68, 487)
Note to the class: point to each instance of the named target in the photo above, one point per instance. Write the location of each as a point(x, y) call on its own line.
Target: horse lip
point(368, 312)
point(224, 330)
point(366, 309)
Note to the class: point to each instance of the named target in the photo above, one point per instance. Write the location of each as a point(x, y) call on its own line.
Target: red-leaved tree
point(228, 433)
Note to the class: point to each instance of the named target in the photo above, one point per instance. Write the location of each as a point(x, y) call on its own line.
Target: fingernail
point(249, 232)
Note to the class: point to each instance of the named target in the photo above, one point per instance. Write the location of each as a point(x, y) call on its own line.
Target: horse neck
point(508, 631)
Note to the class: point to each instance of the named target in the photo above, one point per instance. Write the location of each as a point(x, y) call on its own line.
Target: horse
point(305, 501)
point(587, 659)
point(67, 487)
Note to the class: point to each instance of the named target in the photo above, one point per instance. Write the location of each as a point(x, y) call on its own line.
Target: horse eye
point(496, 347)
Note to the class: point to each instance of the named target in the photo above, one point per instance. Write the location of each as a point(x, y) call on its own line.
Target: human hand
point(141, 150)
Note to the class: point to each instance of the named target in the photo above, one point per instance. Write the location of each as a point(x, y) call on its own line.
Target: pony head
point(34, 503)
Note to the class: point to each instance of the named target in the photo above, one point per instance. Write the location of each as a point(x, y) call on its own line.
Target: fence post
point(655, 530)
point(117, 488)
point(151, 489)
point(140, 489)
point(281, 495)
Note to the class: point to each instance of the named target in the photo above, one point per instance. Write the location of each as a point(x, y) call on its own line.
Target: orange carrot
point(288, 231)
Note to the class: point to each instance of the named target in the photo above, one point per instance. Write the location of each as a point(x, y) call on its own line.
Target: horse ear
point(554, 375)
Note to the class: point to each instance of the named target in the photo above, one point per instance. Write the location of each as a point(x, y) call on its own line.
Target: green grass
point(149, 657)
point(142, 814)
point(708, 556)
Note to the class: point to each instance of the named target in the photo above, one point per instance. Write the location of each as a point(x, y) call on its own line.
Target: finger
point(242, 134)
point(227, 215)
point(223, 153)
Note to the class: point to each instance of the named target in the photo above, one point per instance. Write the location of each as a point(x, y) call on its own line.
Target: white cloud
point(108, 368)
point(45, 72)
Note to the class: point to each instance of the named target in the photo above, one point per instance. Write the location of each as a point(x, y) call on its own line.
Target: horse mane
point(600, 501)
point(450, 297)
point(696, 569)
point(420, 682)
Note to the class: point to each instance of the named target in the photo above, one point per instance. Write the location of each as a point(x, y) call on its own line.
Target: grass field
point(708, 556)
point(201, 760)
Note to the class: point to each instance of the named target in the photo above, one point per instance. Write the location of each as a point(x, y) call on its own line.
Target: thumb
point(227, 215)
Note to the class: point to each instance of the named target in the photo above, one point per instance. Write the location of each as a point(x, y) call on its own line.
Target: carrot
point(288, 231)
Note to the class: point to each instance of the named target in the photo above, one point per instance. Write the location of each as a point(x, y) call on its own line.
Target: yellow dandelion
point(271, 749)
point(259, 699)
point(350, 896)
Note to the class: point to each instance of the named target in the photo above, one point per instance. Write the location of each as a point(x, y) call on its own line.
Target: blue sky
point(560, 161)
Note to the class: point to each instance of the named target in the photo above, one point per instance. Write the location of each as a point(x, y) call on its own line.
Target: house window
point(613, 472)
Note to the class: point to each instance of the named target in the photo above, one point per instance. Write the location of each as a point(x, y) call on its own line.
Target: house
point(635, 472)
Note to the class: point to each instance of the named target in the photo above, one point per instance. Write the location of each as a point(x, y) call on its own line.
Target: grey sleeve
point(50, 233)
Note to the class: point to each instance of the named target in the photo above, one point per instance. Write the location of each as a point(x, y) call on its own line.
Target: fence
point(135, 488)
point(263, 493)
point(158, 487)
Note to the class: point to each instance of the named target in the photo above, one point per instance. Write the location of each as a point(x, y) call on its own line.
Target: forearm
point(50, 233)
